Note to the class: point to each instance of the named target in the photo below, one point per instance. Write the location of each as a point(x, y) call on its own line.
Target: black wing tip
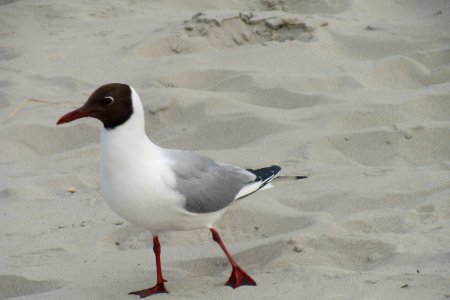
point(265, 173)
point(272, 171)
point(273, 168)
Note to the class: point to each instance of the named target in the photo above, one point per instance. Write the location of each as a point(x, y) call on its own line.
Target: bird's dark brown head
point(111, 104)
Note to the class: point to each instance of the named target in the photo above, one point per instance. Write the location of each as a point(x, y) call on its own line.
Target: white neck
point(135, 125)
point(129, 137)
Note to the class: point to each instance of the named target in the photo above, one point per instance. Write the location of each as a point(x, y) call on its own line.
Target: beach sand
point(354, 94)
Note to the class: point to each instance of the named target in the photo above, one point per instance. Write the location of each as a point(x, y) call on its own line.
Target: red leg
point(159, 287)
point(238, 277)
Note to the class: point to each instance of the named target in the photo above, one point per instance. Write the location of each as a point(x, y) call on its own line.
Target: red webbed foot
point(157, 289)
point(238, 278)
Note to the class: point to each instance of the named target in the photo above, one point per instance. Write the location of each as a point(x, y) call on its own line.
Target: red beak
point(73, 115)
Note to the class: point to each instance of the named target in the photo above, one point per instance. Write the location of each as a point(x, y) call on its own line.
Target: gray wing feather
point(206, 185)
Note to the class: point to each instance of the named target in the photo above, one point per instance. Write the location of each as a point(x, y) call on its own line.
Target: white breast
point(137, 183)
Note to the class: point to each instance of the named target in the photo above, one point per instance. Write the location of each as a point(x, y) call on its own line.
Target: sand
point(352, 93)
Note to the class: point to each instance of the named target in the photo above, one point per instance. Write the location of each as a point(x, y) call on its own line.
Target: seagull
point(162, 189)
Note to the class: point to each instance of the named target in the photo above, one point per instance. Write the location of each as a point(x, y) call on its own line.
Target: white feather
point(135, 179)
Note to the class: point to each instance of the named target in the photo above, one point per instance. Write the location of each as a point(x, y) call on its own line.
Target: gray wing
point(206, 185)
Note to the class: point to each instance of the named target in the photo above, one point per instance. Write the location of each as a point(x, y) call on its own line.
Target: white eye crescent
point(109, 100)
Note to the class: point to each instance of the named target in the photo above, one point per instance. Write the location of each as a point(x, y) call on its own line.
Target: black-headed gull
point(162, 189)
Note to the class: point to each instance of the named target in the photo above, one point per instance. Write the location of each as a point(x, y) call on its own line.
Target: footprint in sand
point(425, 214)
point(12, 286)
point(26, 141)
point(7, 53)
point(346, 253)
point(378, 224)
point(416, 146)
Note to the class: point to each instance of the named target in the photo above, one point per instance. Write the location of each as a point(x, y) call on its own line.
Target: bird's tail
point(270, 173)
point(263, 178)
point(265, 175)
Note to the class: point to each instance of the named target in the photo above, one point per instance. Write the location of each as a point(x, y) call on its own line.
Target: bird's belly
point(151, 204)
point(146, 205)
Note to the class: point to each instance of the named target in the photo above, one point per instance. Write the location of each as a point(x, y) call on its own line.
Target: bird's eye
point(108, 100)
